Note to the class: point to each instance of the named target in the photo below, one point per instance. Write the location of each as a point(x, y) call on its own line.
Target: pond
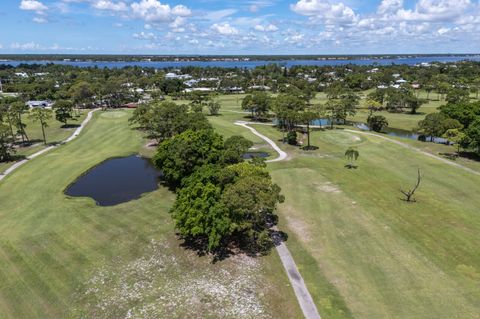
point(404, 134)
point(251, 155)
point(116, 181)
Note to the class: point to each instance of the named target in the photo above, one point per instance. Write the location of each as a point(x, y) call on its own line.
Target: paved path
point(303, 296)
point(391, 140)
point(77, 132)
point(281, 154)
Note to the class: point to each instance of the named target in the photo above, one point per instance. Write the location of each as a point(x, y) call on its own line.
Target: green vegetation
point(66, 257)
point(375, 255)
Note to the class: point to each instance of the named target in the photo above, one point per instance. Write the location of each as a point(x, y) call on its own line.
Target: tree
point(81, 92)
point(6, 147)
point(339, 109)
point(42, 116)
point(377, 122)
point(257, 103)
point(456, 136)
point(465, 113)
point(214, 107)
point(18, 109)
point(352, 155)
point(166, 119)
point(473, 134)
point(411, 192)
point(223, 207)
point(307, 117)
point(373, 106)
point(179, 156)
point(63, 111)
point(234, 149)
point(457, 95)
point(7, 114)
point(436, 124)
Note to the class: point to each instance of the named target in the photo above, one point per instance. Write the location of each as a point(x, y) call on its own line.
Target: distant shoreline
point(214, 58)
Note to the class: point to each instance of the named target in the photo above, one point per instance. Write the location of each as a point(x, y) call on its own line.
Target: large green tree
point(179, 156)
point(63, 111)
point(224, 207)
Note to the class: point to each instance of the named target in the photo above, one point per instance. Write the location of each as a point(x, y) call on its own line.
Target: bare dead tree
point(409, 194)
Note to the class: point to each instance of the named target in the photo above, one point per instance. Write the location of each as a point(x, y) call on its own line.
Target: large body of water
point(116, 181)
point(253, 64)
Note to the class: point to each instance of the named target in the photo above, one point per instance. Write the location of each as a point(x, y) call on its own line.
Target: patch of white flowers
point(158, 285)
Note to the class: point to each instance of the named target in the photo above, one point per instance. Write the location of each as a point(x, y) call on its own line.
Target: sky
point(223, 27)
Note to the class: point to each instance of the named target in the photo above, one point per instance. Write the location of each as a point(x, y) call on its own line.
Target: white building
point(40, 104)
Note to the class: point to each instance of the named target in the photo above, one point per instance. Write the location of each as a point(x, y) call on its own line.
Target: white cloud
point(144, 36)
point(266, 28)
point(224, 29)
point(33, 5)
point(110, 5)
point(25, 46)
point(154, 11)
point(390, 6)
point(436, 10)
point(40, 20)
point(321, 10)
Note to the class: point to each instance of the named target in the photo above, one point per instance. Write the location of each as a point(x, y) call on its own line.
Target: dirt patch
point(300, 228)
point(328, 188)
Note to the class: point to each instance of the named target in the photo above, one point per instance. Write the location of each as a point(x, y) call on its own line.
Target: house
point(40, 104)
point(259, 87)
point(21, 74)
point(401, 81)
point(198, 90)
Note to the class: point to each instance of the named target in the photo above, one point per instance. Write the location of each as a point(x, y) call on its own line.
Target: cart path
point(304, 298)
point(77, 132)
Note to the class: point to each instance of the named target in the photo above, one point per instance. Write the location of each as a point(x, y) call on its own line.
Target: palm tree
point(352, 155)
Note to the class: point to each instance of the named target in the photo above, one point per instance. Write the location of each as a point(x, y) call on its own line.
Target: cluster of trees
point(223, 203)
point(460, 123)
point(397, 100)
point(457, 121)
point(14, 111)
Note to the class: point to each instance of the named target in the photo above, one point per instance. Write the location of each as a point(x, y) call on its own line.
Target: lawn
point(364, 252)
point(66, 257)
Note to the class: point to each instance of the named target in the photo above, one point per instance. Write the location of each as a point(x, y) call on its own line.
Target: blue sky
point(240, 27)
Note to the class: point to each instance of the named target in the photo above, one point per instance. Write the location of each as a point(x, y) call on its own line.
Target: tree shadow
point(67, 126)
point(28, 143)
point(309, 148)
point(15, 158)
point(232, 247)
point(471, 156)
point(450, 156)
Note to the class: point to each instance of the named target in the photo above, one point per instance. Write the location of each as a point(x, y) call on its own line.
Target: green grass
point(54, 249)
point(363, 251)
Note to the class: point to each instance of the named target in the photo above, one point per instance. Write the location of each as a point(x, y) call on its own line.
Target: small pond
point(250, 155)
point(116, 181)
point(404, 134)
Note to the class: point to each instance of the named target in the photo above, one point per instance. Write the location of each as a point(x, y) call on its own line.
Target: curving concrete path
point(281, 154)
point(77, 132)
point(304, 298)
